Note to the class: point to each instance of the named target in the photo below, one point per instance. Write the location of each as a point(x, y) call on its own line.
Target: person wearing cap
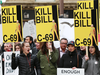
point(71, 59)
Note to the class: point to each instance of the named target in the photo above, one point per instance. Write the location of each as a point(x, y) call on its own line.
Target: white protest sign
point(70, 71)
point(29, 29)
point(0, 65)
point(7, 64)
point(66, 27)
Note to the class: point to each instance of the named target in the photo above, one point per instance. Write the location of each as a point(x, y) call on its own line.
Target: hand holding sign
point(86, 57)
point(49, 48)
point(73, 68)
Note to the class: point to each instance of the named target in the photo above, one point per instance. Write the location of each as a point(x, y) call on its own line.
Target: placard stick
point(1, 44)
point(87, 50)
point(49, 49)
point(13, 48)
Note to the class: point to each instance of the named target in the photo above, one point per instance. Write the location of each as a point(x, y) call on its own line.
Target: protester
point(35, 41)
point(63, 48)
point(82, 51)
point(48, 63)
point(71, 59)
point(29, 40)
point(37, 48)
point(26, 62)
point(18, 47)
point(6, 49)
point(91, 63)
point(38, 45)
point(10, 47)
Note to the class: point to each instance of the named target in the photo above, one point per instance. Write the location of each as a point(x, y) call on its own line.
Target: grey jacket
point(91, 66)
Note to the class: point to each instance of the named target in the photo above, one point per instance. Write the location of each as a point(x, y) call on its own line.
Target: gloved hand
point(13, 55)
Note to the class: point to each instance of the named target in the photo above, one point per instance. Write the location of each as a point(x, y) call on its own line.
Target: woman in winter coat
point(26, 61)
point(48, 63)
point(91, 63)
point(71, 59)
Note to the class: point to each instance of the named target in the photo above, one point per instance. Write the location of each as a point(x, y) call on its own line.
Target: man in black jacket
point(63, 48)
point(29, 39)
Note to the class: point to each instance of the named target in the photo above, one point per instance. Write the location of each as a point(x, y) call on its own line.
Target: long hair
point(19, 46)
point(44, 48)
point(96, 52)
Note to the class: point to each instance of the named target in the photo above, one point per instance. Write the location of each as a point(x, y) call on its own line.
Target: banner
point(1, 65)
point(70, 71)
point(12, 23)
point(47, 25)
point(86, 24)
point(7, 64)
point(29, 29)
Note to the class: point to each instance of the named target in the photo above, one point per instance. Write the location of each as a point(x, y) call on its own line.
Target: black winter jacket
point(23, 64)
point(69, 60)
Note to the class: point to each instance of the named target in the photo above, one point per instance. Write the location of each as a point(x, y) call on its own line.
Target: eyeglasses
point(63, 43)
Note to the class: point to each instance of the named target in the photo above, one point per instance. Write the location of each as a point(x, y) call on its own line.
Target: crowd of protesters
point(34, 58)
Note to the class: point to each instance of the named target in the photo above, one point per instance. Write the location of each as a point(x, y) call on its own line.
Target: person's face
point(92, 49)
point(5, 47)
point(48, 44)
point(37, 45)
point(27, 39)
point(9, 46)
point(71, 48)
point(63, 44)
point(83, 48)
point(17, 48)
point(26, 48)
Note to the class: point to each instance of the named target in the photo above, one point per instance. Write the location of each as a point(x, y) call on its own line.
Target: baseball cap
point(71, 43)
